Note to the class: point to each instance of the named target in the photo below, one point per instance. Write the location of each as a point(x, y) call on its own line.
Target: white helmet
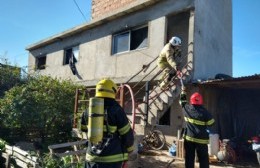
point(175, 41)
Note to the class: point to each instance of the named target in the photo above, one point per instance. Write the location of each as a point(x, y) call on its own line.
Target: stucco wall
point(95, 59)
point(211, 42)
point(212, 38)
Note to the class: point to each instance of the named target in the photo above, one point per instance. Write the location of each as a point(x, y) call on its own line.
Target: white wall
point(212, 38)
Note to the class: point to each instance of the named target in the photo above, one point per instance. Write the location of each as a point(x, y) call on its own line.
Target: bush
point(41, 108)
point(2, 145)
point(10, 76)
point(50, 161)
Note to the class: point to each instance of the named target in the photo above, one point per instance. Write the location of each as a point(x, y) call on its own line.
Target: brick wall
point(102, 7)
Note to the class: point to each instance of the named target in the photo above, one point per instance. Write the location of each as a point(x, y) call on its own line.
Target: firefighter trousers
point(202, 153)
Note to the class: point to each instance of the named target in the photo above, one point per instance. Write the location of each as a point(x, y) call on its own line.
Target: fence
point(15, 157)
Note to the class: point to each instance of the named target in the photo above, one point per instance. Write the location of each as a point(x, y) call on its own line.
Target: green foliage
point(10, 76)
point(43, 104)
point(2, 144)
point(50, 162)
point(64, 162)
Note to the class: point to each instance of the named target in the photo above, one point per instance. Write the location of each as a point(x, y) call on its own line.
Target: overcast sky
point(23, 23)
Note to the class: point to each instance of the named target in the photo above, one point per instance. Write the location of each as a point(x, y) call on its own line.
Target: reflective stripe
point(182, 102)
point(107, 159)
point(210, 122)
point(106, 90)
point(193, 121)
point(112, 129)
point(131, 148)
point(124, 129)
point(197, 140)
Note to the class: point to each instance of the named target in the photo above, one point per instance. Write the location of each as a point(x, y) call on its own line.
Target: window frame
point(38, 63)
point(65, 60)
point(130, 31)
point(113, 42)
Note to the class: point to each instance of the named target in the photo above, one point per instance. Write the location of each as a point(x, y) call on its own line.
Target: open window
point(132, 39)
point(71, 55)
point(40, 62)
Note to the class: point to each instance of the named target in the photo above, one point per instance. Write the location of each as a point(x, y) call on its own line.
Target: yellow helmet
point(106, 88)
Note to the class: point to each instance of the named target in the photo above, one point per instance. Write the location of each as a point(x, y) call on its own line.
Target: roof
point(95, 22)
point(246, 82)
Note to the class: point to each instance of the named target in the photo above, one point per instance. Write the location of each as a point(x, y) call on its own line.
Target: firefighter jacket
point(119, 132)
point(169, 57)
point(197, 119)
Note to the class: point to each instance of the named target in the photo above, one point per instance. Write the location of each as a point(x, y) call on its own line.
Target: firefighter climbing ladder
point(147, 109)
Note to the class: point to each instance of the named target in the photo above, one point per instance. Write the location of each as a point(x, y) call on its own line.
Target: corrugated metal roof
point(252, 81)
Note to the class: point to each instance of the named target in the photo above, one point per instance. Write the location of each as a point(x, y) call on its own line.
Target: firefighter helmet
point(106, 88)
point(196, 99)
point(175, 41)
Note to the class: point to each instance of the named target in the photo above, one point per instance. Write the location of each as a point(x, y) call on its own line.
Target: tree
point(42, 107)
point(10, 76)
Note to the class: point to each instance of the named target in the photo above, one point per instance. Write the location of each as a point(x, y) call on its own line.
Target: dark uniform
point(118, 138)
point(196, 136)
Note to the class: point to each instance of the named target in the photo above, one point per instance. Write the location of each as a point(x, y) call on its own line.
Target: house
point(123, 40)
point(119, 42)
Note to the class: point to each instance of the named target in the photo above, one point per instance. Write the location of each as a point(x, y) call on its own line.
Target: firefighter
point(118, 139)
point(168, 60)
point(196, 136)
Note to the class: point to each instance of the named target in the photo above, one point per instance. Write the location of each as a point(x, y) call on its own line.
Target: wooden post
point(76, 149)
point(6, 156)
point(122, 96)
point(76, 109)
point(180, 153)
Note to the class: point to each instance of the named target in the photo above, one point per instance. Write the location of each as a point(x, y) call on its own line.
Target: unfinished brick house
point(122, 42)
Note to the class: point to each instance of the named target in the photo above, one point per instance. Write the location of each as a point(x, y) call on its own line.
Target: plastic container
point(172, 150)
point(213, 145)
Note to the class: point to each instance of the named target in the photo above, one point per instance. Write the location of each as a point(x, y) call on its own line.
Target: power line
point(80, 10)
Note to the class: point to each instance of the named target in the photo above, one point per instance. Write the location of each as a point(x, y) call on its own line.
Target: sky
point(25, 22)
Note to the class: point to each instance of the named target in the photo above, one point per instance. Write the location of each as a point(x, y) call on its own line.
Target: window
point(40, 62)
point(130, 40)
point(71, 54)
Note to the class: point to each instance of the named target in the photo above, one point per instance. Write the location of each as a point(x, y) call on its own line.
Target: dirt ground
point(163, 160)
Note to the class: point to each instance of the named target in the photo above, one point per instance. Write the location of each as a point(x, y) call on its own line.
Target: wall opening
point(132, 39)
point(41, 62)
point(166, 118)
point(178, 25)
point(71, 55)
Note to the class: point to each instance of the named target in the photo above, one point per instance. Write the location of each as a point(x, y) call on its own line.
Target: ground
point(163, 160)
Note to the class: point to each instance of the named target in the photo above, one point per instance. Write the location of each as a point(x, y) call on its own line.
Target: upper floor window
point(71, 54)
point(130, 40)
point(40, 62)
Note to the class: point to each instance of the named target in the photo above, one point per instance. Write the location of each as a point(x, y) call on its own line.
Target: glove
point(183, 95)
point(178, 73)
